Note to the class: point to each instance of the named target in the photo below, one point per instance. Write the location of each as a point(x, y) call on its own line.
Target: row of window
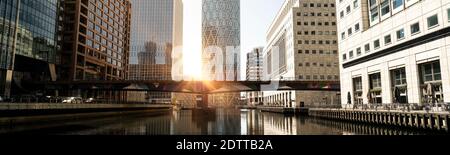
point(316, 77)
point(349, 8)
point(384, 8)
point(432, 22)
point(429, 73)
point(333, 33)
point(312, 5)
point(320, 42)
point(350, 31)
point(315, 64)
point(316, 52)
point(313, 14)
point(318, 23)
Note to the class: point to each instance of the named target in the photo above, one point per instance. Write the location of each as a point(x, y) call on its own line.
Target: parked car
point(73, 100)
point(91, 100)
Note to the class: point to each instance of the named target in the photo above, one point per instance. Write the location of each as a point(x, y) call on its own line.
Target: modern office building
point(221, 45)
point(255, 64)
point(302, 45)
point(28, 44)
point(254, 73)
point(96, 42)
point(394, 51)
point(156, 37)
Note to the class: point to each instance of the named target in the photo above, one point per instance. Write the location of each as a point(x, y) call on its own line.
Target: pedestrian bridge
point(194, 87)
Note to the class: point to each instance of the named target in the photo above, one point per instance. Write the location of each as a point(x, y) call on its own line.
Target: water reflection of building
point(28, 44)
point(275, 124)
point(183, 124)
point(252, 123)
point(406, 61)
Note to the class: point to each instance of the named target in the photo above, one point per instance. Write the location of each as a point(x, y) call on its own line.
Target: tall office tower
point(221, 29)
point(28, 44)
point(302, 46)
point(96, 42)
point(254, 73)
point(221, 45)
point(156, 28)
point(394, 51)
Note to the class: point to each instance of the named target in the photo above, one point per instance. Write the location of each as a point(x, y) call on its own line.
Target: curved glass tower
point(221, 46)
point(221, 29)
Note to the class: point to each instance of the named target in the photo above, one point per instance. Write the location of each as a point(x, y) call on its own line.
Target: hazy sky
point(256, 17)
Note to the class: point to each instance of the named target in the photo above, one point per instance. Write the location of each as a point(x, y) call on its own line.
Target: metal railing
point(410, 107)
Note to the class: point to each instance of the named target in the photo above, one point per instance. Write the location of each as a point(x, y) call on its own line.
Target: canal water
point(188, 122)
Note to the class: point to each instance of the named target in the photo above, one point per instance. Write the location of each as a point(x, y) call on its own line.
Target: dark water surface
point(188, 122)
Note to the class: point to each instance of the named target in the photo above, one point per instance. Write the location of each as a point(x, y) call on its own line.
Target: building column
point(365, 85)
point(412, 78)
point(386, 83)
point(445, 72)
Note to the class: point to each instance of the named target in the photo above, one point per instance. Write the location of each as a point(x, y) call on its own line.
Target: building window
point(431, 83)
point(350, 31)
point(358, 90)
point(385, 8)
point(448, 15)
point(431, 72)
point(374, 14)
point(350, 54)
point(376, 44)
point(357, 27)
point(344, 57)
point(401, 34)
point(372, 2)
point(355, 4)
point(367, 48)
point(348, 9)
point(343, 35)
point(399, 77)
point(399, 86)
point(358, 51)
point(432, 21)
point(387, 40)
point(375, 88)
point(342, 14)
point(397, 3)
point(415, 28)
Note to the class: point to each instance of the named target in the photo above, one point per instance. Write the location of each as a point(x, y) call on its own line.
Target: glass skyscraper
point(221, 28)
point(28, 38)
point(152, 41)
point(152, 32)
